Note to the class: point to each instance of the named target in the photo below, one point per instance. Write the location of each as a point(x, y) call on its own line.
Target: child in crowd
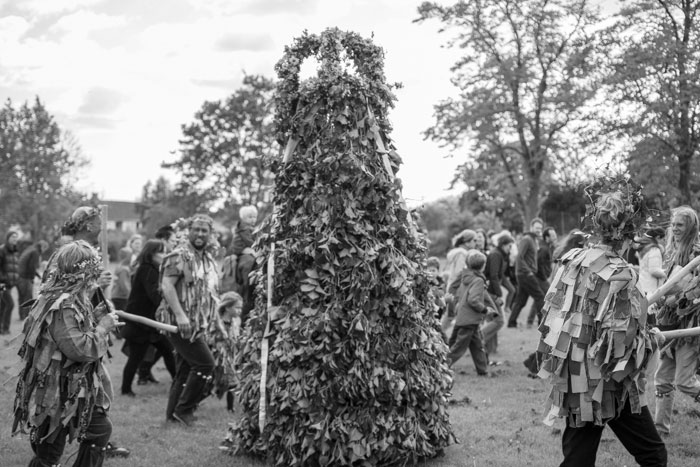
point(473, 304)
point(437, 285)
point(223, 342)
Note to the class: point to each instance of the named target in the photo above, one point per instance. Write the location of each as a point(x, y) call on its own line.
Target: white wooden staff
point(663, 290)
point(265, 344)
point(147, 322)
point(104, 246)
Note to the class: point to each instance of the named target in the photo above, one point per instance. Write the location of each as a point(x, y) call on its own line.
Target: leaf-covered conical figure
point(356, 371)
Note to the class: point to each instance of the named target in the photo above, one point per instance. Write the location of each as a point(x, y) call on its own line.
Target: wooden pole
point(104, 246)
point(673, 280)
point(676, 333)
point(147, 322)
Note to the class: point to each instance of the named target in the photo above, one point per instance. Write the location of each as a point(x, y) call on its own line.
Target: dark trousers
point(468, 337)
point(25, 292)
point(148, 362)
point(6, 307)
point(534, 311)
point(136, 354)
point(91, 452)
point(636, 432)
point(195, 366)
point(528, 286)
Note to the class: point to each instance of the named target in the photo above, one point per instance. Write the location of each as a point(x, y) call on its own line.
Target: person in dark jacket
point(28, 270)
point(496, 265)
point(472, 307)
point(143, 301)
point(525, 271)
point(9, 276)
point(544, 268)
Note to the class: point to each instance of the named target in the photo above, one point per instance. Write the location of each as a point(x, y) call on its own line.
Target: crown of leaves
point(78, 224)
point(84, 274)
point(629, 220)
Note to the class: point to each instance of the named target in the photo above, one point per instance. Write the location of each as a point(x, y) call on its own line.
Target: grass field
point(497, 420)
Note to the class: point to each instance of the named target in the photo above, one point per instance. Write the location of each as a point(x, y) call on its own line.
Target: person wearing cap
point(9, 276)
point(595, 344)
point(64, 391)
point(189, 283)
point(526, 273)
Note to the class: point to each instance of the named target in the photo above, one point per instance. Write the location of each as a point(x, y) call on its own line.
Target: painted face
point(199, 234)
point(679, 226)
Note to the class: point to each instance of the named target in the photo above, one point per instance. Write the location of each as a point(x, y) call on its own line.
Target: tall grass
point(497, 420)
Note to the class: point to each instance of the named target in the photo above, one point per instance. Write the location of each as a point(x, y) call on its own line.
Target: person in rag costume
point(64, 391)
point(595, 343)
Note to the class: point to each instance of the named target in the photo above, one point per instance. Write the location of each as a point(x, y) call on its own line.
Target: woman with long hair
point(650, 253)
point(143, 301)
point(677, 367)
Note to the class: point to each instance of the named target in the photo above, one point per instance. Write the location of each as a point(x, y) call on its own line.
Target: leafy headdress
point(615, 209)
point(78, 266)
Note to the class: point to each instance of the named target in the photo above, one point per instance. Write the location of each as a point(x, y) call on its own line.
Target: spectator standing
point(121, 284)
point(650, 255)
point(28, 270)
point(189, 285)
point(544, 269)
point(144, 299)
point(496, 266)
point(9, 276)
point(238, 265)
point(525, 271)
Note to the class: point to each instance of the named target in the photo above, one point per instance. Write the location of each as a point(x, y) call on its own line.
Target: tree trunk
point(532, 203)
point(684, 159)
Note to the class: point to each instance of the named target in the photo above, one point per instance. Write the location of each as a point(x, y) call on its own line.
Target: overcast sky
point(124, 75)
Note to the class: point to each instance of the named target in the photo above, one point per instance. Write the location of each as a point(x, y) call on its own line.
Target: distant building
point(123, 216)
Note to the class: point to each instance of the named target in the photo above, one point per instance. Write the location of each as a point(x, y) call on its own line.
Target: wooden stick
point(265, 345)
point(146, 322)
point(676, 333)
point(104, 246)
point(673, 280)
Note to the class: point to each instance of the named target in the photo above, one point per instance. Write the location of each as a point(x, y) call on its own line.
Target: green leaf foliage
point(357, 372)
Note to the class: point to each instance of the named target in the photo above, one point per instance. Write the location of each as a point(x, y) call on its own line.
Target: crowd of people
point(586, 292)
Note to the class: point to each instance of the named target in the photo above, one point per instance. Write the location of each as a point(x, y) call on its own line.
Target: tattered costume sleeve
point(76, 343)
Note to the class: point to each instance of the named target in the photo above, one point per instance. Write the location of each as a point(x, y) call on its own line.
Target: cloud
point(233, 42)
point(100, 101)
point(94, 122)
point(270, 7)
point(82, 22)
point(215, 83)
point(53, 6)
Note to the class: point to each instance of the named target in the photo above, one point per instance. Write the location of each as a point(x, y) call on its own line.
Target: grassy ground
point(497, 420)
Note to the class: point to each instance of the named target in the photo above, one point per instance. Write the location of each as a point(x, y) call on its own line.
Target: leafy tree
point(38, 165)
point(225, 153)
point(357, 372)
point(162, 204)
point(655, 78)
point(524, 82)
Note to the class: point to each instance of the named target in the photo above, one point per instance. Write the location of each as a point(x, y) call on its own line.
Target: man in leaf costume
point(595, 342)
point(190, 281)
point(64, 391)
point(356, 370)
